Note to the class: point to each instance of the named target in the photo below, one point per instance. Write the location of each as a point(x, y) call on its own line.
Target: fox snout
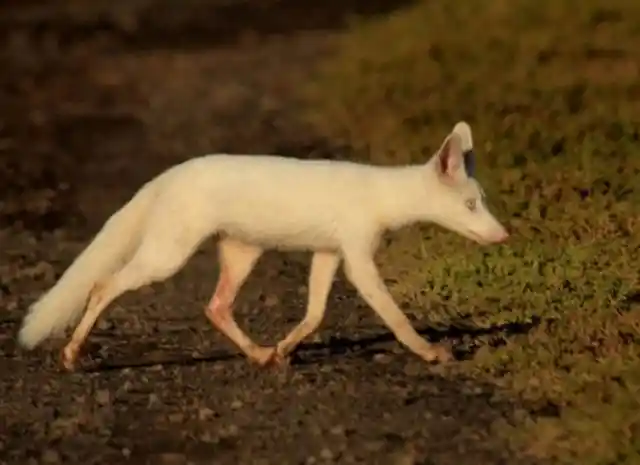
point(501, 235)
point(495, 236)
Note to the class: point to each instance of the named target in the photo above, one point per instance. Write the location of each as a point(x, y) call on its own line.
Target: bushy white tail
point(64, 303)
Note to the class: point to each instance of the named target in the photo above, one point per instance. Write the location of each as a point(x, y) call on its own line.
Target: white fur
point(63, 304)
point(333, 207)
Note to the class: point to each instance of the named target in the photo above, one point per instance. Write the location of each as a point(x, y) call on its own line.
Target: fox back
point(280, 202)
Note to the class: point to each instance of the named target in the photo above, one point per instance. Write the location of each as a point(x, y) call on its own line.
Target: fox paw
point(68, 357)
point(270, 357)
point(281, 360)
point(262, 356)
point(438, 353)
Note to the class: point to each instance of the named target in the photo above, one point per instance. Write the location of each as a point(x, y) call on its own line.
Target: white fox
point(336, 209)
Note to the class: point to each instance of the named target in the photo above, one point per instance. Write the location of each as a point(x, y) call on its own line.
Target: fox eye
point(471, 204)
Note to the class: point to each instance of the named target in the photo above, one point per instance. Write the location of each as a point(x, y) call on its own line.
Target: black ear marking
point(469, 162)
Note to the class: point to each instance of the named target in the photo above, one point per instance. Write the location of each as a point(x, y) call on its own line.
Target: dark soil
point(94, 100)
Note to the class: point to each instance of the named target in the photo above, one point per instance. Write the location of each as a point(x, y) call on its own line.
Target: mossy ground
point(552, 91)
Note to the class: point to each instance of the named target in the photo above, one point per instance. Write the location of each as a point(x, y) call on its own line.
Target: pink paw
point(69, 356)
point(438, 353)
point(262, 356)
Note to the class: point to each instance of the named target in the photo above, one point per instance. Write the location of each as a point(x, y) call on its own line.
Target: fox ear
point(456, 158)
point(463, 129)
point(449, 159)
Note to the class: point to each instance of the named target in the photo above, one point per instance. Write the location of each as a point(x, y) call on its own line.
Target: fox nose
point(501, 236)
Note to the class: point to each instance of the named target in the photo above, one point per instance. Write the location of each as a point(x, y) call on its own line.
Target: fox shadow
point(310, 353)
point(367, 346)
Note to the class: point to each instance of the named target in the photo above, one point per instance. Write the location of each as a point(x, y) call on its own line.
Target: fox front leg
point(363, 274)
point(323, 269)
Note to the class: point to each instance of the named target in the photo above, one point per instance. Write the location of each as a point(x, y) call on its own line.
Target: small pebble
point(231, 430)
point(103, 396)
point(271, 301)
point(338, 430)
point(382, 358)
point(236, 404)
point(51, 456)
point(104, 325)
point(205, 413)
point(153, 400)
point(413, 368)
point(172, 458)
point(207, 437)
point(326, 454)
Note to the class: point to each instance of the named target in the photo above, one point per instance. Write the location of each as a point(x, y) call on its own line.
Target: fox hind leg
point(236, 259)
point(149, 264)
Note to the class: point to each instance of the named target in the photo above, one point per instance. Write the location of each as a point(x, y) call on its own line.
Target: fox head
point(457, 201)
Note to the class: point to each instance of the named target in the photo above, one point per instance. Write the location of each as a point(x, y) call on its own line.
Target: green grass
point(552, 91)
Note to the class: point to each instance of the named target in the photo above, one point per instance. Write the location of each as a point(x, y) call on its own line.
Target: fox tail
point(63, 304)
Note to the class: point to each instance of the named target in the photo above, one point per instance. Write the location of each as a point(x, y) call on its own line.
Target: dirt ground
point(94, 101)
